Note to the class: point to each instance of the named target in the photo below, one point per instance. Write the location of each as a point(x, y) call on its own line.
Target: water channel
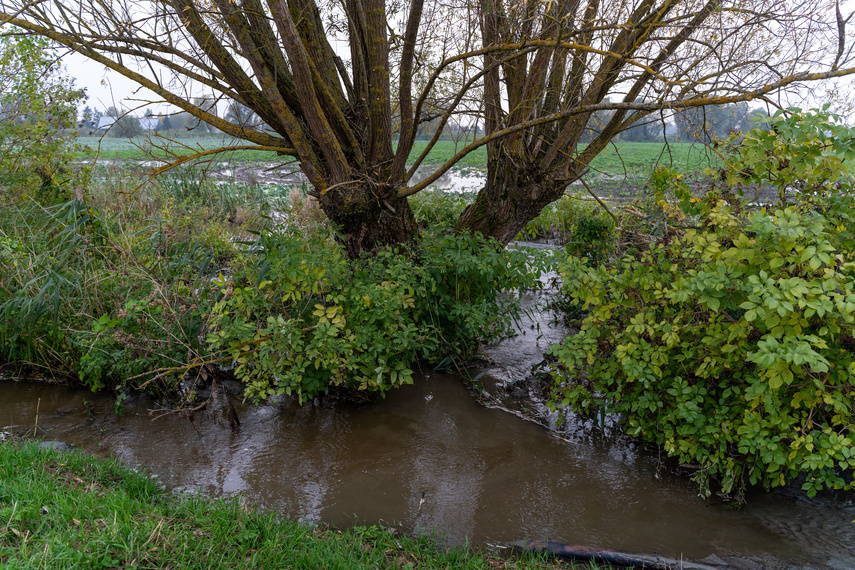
point(488, 477)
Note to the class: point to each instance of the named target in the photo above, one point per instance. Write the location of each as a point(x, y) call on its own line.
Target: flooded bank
point(460, 179)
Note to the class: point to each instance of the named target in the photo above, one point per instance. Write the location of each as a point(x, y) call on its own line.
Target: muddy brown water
point(487, 477)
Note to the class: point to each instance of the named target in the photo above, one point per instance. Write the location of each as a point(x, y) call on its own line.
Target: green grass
point(623, 159)
point(444, 150)
point(633, 160)
point(637, 160)
point(71, 510)
point(146, 148)
point(152, 146)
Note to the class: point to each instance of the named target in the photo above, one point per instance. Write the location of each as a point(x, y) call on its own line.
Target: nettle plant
point(730, 347)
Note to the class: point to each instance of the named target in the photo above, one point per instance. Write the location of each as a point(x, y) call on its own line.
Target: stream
point(487, 477)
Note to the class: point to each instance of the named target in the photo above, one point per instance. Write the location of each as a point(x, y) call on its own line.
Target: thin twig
point(597, 198)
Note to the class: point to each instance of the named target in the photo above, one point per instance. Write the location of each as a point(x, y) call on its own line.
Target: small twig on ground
point(36, 427)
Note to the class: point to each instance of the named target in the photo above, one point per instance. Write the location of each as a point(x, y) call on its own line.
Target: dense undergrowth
point(728, 340)
point(71, 510)
point(715, 327)
point(153, 282)
point(302, 317)
point(150, 283)
point(109, 290)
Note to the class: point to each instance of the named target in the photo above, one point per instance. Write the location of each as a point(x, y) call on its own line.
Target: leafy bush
point(37, 118)
point(120, 292)
point(438, 208)
point(156, 331)
point(558, 219)
point(731, 347)
point(799, 151)
point(731, 344)
point(304, 318)
point(593, 237)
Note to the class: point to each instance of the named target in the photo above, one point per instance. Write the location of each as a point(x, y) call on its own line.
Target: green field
point(633, 160)
point(153, 147)
point(148, 148)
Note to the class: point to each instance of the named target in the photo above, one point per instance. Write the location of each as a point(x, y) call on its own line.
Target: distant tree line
point(697, 124)
point(121, 124)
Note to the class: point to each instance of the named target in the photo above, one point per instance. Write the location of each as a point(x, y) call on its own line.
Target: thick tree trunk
point(369, 217)
point(510, 199)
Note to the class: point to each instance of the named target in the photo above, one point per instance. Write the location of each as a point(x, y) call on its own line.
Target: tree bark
point(512, 196)
point(369, 217)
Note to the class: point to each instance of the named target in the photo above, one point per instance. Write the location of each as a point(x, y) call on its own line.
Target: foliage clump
point(304, 318)
point(800, 151)
point(730, 344)
point(438, 208)
point(123, 293)
point(109, 291)
point(38, 113)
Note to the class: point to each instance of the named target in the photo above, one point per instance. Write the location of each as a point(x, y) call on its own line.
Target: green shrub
point(152, 334)
point(120, 292)
point(558, 219)
point(438, 208)
point(304, 318)
point(38, 111)
point(800, 151)
point(593, 237)
point(731, 347)
point(97, 299)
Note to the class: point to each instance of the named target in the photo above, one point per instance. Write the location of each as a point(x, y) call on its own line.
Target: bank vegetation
point(715, 319)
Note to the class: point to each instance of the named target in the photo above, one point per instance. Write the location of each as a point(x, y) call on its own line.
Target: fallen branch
point(581, 553)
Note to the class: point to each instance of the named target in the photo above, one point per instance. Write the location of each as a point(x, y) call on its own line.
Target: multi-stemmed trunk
point(510, 199)
point(369, 217)
point(546, 70)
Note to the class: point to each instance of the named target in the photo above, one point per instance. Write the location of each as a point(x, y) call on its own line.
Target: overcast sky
point(104, 87)
point(107, 88)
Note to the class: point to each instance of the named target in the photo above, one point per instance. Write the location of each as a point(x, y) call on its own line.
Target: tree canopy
point(343, 87)
point(552, 67)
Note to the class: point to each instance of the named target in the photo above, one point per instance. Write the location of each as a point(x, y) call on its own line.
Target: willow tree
point(336, 82)
point(550, 65)
point(337, 113)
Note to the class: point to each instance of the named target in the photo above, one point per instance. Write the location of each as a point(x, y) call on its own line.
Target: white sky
point(106, 88)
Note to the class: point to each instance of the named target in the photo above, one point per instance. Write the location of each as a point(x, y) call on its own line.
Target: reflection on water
point(486, 476)
point(455, 180)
